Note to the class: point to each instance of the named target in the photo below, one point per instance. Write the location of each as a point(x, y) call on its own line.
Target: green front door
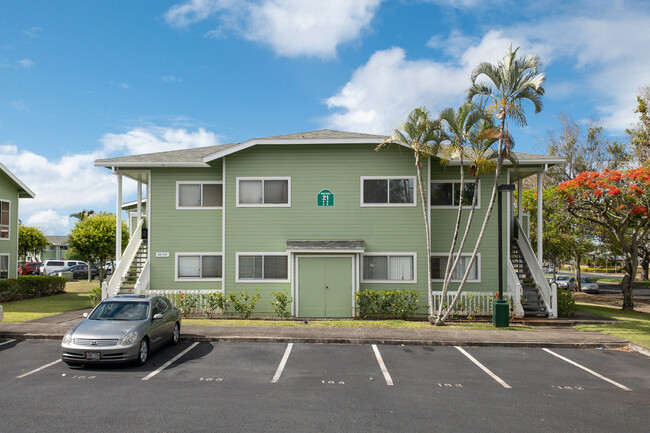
point(325, 287)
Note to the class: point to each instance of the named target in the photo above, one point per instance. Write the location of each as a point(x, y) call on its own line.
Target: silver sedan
point(122, 328)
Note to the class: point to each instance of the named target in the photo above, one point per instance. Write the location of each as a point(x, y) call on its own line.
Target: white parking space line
point(623, 387)
point(38, 369)
point(7, 342)
point(482, 367)
point(384, 370)
point(168, 363)
point(280, 369)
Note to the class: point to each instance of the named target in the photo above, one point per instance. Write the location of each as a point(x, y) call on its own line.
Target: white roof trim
point(285, 141)
point(151, 164)
point(456, 162)
point(18, 181)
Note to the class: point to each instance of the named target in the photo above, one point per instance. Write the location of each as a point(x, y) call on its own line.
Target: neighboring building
point(11, 190)
point(56, 250)
point(318, 214)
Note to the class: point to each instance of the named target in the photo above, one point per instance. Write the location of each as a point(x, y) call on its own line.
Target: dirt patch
point(612, 300)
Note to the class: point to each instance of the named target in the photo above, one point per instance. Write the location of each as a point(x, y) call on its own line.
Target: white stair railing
point(142, 284)
point(548, 296)
point(514, 286)
point(123, 265)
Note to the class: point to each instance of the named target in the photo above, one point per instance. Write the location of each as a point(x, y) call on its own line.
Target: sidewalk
point(54, 327)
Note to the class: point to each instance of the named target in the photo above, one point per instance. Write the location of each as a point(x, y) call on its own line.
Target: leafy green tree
point(502, 90)
point(30, 240)
point(640, 135)
point(94, 238)
point(82, 215)
point(618, 203)
point(423, 136)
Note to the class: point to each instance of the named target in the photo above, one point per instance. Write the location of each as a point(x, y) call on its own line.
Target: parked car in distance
point(79, 272)
point(562, 281)
point(122, 328)
point(587, 285)
point(31, 268)
point(50, 266)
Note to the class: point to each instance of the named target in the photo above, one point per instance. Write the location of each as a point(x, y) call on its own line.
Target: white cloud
point(291, 27)
point(34, 32)
point(19, 105)
point(170, 79)
point(72, 182)
point(26, 63)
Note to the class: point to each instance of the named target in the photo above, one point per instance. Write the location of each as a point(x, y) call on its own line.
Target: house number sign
point(325, 198)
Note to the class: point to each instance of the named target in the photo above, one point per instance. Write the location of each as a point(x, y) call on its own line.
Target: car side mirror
point(157, 316)
point(85, 315)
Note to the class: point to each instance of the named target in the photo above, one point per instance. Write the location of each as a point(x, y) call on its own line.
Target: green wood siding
point(8, 192)
point(186, 230)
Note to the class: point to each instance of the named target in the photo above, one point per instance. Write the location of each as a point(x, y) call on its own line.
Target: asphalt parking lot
point(275, 387)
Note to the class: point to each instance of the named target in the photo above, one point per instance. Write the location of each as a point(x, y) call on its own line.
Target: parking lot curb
point(639, 349)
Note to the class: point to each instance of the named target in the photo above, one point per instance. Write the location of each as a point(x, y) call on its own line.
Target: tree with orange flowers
point(618, 202)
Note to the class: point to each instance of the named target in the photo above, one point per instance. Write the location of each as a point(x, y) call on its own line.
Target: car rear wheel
point(143, 353)
point(176, 334)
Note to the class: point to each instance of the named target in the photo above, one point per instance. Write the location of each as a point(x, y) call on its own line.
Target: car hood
point(106, 328)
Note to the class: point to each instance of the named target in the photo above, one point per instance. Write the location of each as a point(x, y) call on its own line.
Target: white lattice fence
point(470, 303)
point(173, 295)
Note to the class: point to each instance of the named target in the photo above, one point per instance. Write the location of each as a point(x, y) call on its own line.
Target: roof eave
point(151, 164)
point(26, 192)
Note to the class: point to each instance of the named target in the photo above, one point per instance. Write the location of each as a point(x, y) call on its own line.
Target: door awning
point(326, 246)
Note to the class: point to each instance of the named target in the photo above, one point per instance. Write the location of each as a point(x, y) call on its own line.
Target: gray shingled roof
point(195, 154)
point(58, 240)
point(322, 134)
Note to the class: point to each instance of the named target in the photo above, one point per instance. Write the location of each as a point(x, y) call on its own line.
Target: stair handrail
point(536, 270)
point(122, 267)
point(514, 286)
point(142, 283)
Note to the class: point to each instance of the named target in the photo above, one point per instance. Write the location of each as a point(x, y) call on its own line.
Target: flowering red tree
point(618, 202)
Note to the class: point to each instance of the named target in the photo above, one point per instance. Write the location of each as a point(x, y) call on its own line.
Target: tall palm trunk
point(418, 167)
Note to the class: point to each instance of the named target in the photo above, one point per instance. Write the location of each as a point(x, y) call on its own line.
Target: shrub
point(241, 303)
point(387, 303)
point(282, 303)
point(566, 305)
point(214, 301)
point(186, 302)
point(95, 296)
point(30, 286)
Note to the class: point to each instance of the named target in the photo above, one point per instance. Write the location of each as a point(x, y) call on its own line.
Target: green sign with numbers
point(325, 198)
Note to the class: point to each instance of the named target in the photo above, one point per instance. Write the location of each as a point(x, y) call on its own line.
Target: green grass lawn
point(634, 325)
point(347, 324)
point(75, 297)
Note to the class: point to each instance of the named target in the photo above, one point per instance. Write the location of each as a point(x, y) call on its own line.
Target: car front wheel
point(143, 353)
point(176, 334)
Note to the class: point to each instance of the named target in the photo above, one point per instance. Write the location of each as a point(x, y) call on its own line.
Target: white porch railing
point(142, 284)
point(470, 303)
point(123, 265)
point(514, 287)
point(548, 296)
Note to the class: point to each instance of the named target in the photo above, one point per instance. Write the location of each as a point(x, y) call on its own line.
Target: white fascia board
point(323, 250)
point(151, 164)
point(17, 181)
point(456, 162)
point(250, 143)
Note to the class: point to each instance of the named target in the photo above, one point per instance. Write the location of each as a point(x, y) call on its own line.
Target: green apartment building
point(318, 214)
point(11, 190)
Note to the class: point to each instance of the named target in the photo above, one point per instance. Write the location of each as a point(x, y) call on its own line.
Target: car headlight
point(129, 338)
point(67, 338)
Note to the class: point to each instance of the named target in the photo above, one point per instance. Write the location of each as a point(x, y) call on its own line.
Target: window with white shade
point(271, 191)
point(198, 266)
point(439, 266)
point(199, 195)
point(387, 191)
point(389, 268)
point(264, 267)
point(5, 218)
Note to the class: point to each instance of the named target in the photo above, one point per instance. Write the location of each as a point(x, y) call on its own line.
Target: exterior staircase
point(531, 298)
point(127, 284)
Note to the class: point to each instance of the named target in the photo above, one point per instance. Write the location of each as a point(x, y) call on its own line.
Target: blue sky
point(94, 79)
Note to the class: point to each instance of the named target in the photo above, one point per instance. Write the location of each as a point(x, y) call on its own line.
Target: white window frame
point(8, 238)
point(467, 206)
point(261, 280)
point(477, 263)
point(211, 253)
point(387, 178)
point(415, 268)
point(201, 183)
point(8, 263)
point(263, 178)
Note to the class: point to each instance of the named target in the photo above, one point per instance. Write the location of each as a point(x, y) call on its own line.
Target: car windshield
point(586, 280)
point(562, 278)
point(120, 311)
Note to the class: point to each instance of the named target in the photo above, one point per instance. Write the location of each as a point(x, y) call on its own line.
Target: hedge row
point(381, 304)
point(30, 286)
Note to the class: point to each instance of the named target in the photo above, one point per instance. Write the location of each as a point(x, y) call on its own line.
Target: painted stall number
point(211, 379)
point(332, 382)
point(568, 388)
point(450, 385)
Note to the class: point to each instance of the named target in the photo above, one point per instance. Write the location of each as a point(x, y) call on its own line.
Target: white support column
point(520, 198)
point(118, 220)
point(540, 193)
point(139, 207)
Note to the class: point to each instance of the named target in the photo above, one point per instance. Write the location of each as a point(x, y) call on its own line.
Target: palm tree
point(510, 82)
point(82, 215)
point(423, 136)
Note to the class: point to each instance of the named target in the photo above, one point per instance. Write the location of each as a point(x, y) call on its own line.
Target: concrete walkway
point(559, 335)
